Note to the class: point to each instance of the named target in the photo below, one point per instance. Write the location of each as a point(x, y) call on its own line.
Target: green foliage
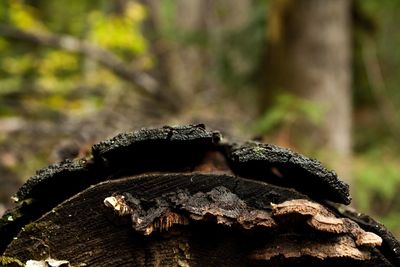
point(288, 109)
point(120, 33)
point(71, 15)
point(38, 81)
point(376, 177)
point(174, 33)
point(377, 183)
point(237, 54)
point(377, 59)
point(168, 12)
point(23, 16)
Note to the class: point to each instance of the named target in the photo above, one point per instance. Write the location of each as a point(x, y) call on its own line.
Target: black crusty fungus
point(180, 190)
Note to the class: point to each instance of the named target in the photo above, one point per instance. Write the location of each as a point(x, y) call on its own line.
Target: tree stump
point(181, 196)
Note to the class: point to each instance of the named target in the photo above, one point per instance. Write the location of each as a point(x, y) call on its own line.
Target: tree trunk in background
point(309, 54)
point(179, 67)
point(187, 63)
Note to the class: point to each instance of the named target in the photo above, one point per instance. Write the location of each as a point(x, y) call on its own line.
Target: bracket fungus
point(180, 196)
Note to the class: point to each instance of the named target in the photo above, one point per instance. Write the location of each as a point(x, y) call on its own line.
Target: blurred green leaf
point(121, 33)
point(23, 16)
point(376, 175)
point(288, 109)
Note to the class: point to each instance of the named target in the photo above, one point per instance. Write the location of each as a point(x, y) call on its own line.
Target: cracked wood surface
point(181, 196)
point(234, 214)
point(167, 149)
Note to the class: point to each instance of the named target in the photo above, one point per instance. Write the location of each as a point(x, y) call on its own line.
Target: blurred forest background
point(318, 76)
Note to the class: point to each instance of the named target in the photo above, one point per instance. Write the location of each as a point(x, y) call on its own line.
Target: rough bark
point(186, 220)
point(180, 196)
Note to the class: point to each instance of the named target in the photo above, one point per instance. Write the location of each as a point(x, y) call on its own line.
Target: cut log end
point(176, 196)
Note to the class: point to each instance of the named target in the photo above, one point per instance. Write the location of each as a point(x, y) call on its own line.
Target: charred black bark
point(181, 196)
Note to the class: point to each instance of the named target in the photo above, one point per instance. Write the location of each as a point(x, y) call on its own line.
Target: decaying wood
point(161, 149)
point(86, 221)
point(390, 246)
point(218, 205)
point(285, 167)
point(295, 247)
point(320, 218)
point(149, 207)
point(179, 196)
point(174, 149)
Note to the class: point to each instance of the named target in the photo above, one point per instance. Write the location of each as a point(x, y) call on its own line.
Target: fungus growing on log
point(218, 205)
point(321, 219)
point(179, 196)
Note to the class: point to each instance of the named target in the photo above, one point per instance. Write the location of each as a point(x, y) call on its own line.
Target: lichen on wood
point(10, 261)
